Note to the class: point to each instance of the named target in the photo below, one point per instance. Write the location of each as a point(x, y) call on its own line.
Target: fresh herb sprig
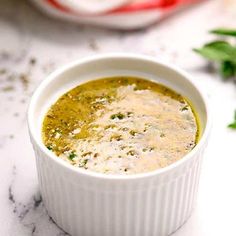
point(233, 124)
point(224, 31)
point(224, 54)
point(221, 52)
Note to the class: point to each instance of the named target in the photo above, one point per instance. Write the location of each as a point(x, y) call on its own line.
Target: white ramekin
point(85, 203)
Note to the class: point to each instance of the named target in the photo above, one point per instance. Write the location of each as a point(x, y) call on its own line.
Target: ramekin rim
point(97, 175)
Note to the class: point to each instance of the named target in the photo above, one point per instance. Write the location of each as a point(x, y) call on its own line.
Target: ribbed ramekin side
point(148, 207)
point(41, 165)
point(184, 191)
point(171, 201)
point(51, 189)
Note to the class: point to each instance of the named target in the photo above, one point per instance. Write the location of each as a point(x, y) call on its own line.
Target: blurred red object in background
point(136, 14)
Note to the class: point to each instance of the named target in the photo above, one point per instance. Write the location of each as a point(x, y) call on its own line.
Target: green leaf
point(218, 51)
point(233, 124)
point(224, 31)
point(227, 69)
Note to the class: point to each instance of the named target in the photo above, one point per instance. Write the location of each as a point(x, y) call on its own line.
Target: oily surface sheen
point(120, 125)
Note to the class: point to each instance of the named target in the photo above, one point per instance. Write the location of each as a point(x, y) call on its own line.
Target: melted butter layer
point(120, 125)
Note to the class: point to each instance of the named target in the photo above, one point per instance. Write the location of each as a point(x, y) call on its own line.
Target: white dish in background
point(118, 20)
point(92, 204)
point(92, 6)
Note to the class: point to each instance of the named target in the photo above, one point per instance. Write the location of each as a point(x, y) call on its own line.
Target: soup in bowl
point(120, 125)
point(119, 141)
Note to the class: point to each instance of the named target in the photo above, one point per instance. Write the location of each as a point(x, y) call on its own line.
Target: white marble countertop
point(32, 45)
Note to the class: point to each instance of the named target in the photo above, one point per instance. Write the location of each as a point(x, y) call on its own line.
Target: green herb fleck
point(148, 149)
point(83, 163)
point(49, 147)
point(116, 137)
point(119, 116)
point(129, 113)
point(72, 155)
point(162, 135)
point(86, 154)
point(131, 153)
point(132, 132)
point(185, 108)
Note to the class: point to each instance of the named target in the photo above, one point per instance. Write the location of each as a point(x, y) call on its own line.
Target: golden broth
point(120, 125)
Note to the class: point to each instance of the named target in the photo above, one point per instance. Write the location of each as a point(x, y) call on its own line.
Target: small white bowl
point(87, 203)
